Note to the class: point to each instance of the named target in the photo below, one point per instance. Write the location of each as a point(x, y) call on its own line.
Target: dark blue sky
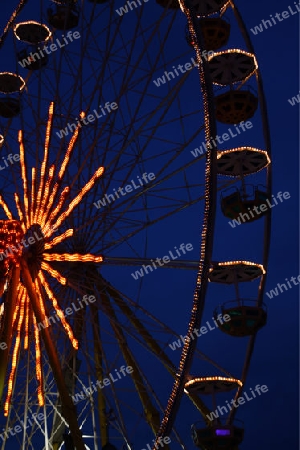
point(271, 421)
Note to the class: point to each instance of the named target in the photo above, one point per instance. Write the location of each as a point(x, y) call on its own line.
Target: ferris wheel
point(97, 121)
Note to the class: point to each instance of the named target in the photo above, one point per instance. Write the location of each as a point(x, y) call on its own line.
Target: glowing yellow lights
point(54, 273)
point(202, 10)
point(23, 32)
point(245, 263)
point(16, 82)
point(14, 357)
point(211, 385)
point(224, 65)
point(233, 50)
point(56, 210)
point(74, 257)
point(5, 207)
point(220, 153)
point(24, 177)
point(59, 239)
point(59, 312)
point(42, 206)
point(79, 197)
point(26, 331)
point(12, 374)
point(33, 178)
point(38, 365)
point(70, 148)
point(45, 159)
point(10, 238)
point(197, 381)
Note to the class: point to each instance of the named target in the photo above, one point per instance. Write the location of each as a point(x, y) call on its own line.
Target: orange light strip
point(38, 201)
point(33, 205)
point(220, 153)
point(79, 197)
point(15, 355)
point(59, 312)
point(24, 173)
point(20, 296)
point(64, 164)
point(22, 309)
point(17, 77)
point(59, 239)
point(205, 379)
point(40, 297)
point(20, 212)
point(233, 50)
point(46, 193)
point(6, 208)
point(54, 273)
point(50, 203)
point(70, 149)
point(12, 374)
point(48, 137)
point(16, 26)
point(56, 210)
point(72, 257)
point(26, 327)
point(38, 366)
point(233, 263)
point(45, 159)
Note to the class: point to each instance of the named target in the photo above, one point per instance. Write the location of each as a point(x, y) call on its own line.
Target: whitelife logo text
point(146, 178)
point(257, 210)
point(124, 9)
point(32, 57)
point(119, 374)
point(71, 127)
point(294, 100)
point(174, 73)
point(203, 330)
point(85, 301)
point(274, 292)
point(241, 400)
point(244, 126)
point(162, 261)
point(19, 428)
point(267, 23)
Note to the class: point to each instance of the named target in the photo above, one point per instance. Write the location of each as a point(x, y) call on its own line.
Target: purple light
point(222, 432)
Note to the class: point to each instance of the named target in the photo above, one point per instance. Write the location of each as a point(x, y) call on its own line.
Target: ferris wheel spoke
point(150, 223)
point(99, 356)
point(130, 200)
point(141, 377)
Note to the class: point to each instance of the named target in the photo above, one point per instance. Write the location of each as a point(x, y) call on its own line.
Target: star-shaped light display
point(27, 249)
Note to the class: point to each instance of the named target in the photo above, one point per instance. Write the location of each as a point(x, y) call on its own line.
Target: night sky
point(271, 420)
